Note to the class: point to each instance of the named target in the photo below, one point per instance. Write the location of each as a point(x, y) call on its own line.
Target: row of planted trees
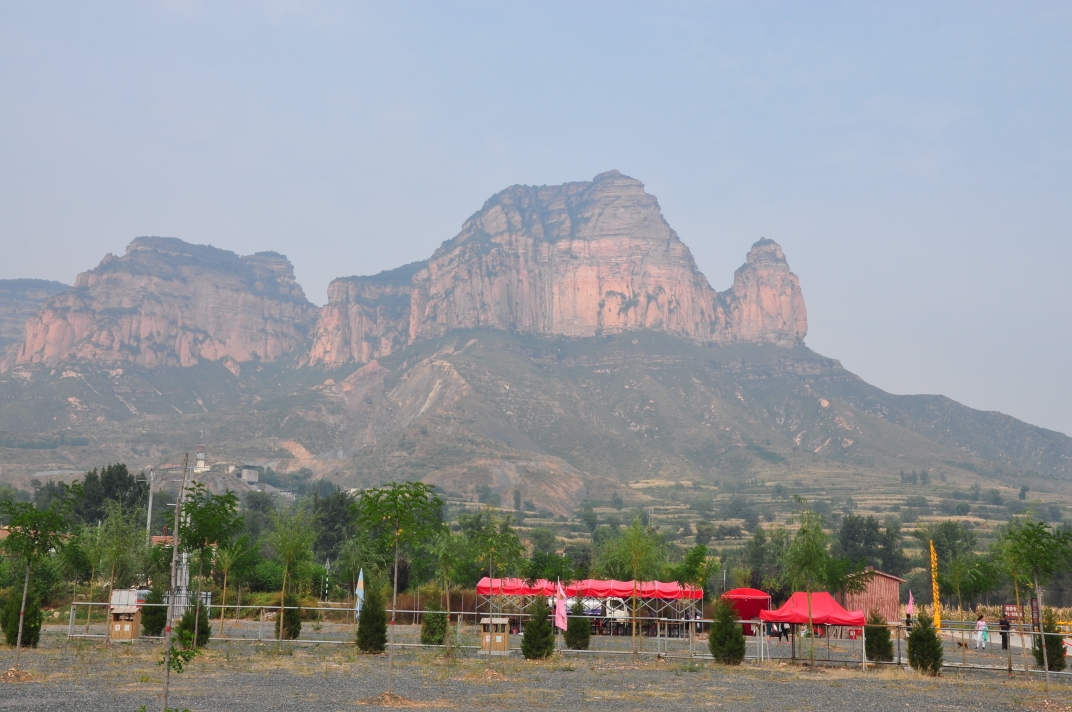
point(394, 533)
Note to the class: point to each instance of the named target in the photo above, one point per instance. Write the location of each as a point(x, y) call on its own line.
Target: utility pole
point(149, 514)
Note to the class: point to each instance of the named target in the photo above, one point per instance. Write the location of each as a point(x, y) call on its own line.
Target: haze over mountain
point(563, 343)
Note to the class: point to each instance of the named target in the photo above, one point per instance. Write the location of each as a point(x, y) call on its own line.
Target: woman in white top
point(982, 633)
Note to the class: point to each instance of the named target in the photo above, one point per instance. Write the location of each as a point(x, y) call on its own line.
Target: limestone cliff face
point(19, 300)
point(167, 302)
point(765, 302)
point(579, 259)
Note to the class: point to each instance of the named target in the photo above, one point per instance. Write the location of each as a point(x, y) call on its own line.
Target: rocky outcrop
point(167, 302)
point(579, 259)
point(19, 300)
point(765, 302)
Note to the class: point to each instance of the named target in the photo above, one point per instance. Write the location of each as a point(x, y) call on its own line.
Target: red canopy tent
point(588, 588)
point(824, 611)
point(748, 602)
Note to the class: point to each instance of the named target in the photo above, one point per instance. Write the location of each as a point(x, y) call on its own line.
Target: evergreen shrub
point(538, 641)
point(185, 629)
point(434, 626)
point(154, 618)
point(726, 638)
point(1055, 648)
point(372, 621)
point(9, 618)
point(878, 646)
point(925, 647)
point(578, 628)
point(291, 619)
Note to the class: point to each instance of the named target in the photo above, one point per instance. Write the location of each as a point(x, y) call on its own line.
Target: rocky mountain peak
point(169, 302)
point(577, 259)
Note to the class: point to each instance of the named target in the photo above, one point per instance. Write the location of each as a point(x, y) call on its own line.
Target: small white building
point(199, 462)
point(251, 475)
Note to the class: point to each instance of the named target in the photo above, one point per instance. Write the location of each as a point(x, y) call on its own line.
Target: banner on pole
point(359, 593)
point(934, 589)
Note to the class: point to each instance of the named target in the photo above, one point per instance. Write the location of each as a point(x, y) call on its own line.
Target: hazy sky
point(913, 159)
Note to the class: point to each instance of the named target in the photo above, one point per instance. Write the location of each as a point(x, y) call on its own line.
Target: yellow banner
point(934, 589)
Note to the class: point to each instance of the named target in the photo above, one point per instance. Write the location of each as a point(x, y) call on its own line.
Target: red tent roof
point(824, 610)
point(744, 594)
point(589, 588)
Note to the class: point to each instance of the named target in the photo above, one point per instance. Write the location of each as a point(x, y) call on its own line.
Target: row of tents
point(750, 603)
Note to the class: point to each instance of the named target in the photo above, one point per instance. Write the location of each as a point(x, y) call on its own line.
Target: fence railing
point(670, 638)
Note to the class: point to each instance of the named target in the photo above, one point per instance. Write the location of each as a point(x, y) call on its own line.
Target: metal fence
point(668, 638)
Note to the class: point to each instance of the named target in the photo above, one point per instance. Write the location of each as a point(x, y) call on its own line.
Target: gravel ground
point(85, 675)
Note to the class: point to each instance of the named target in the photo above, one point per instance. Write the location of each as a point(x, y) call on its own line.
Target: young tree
point(1042, 552)
point(638, 553)
point(122, 538)
point(404, 514)
point(447, 550)
point(925, 647)
point(807, 559)
point(32, 535)
point(358, 553)
point(211, 520)
point(292, 543)
point(92, 542)
point(228, 558)
point(538, 640)
point(726, 637)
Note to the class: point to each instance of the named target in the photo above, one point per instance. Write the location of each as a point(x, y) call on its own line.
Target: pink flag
point(910, 609)
point(560, 607)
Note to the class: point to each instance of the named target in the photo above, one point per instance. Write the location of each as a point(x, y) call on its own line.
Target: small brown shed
point(883, 592)
point(124, 614)
point(495, 635)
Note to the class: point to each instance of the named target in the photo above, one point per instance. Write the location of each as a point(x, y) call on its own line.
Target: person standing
point(1004, 626)
point(982, 633)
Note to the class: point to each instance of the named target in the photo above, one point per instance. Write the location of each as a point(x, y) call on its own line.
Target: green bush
point(878, 646)
point(9, 618)
point(1055, 648)
point(538, 641)
point(726, 638)
point(372, 622)
point(578, 628)
point(925, 647)
point(291, 619)
point(154, 618)
point(434, 627)
point(185, 629)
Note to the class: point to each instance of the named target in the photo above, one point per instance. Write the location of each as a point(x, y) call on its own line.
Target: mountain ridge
point(563, 342)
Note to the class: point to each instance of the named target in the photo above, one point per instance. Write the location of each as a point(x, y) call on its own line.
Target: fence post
point(70, 623)
point(863, 648)
point(899, 661)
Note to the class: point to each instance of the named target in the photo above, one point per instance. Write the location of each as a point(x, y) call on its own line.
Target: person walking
point(1004, 626)
point(982, 633)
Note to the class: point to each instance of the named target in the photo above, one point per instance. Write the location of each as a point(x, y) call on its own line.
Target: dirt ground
point(86, 675)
